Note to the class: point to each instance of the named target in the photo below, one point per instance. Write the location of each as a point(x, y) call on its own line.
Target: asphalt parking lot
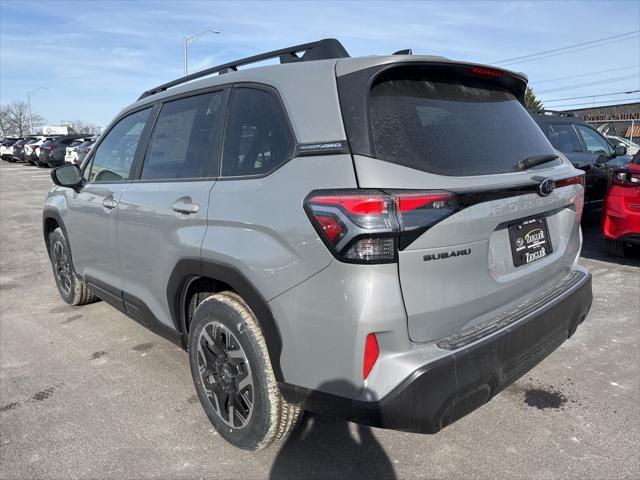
point(87, 393)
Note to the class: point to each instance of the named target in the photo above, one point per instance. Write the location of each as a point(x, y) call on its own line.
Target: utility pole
point(186, 41)
point(29, 105)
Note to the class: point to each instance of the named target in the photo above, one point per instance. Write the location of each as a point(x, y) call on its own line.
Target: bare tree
point(14, 119)
point(80, 126)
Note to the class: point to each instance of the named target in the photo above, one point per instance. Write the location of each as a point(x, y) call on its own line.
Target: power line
point(589, 44)
point(588, 84)
point(594, 103)
point(571, 51)
point(629, 92)
point(584, 74)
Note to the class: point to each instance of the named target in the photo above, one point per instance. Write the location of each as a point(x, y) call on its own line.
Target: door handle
point(186, 206)
point(109, 203)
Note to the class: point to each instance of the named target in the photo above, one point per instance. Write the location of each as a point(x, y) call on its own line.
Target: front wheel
point(233, 376)
point(72, 290)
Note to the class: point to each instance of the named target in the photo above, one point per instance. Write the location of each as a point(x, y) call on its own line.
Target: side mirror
point(68, 176)
point(619, 150)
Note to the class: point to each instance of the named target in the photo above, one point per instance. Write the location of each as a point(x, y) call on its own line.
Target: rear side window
point(184, 143)
point(563, 137)
point(593, 141)
point(450, 125)
point(114, 156)
point(258, 138)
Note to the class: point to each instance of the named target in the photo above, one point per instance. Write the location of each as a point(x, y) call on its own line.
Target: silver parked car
point(388, 239)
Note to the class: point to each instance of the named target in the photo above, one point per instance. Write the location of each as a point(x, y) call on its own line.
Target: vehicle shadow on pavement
point(593, 243)
point(326, 447)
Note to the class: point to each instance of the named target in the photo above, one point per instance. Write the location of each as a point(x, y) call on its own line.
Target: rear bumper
point(437, 394)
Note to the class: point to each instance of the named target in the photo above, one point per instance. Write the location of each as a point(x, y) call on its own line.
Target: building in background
point(617, 120)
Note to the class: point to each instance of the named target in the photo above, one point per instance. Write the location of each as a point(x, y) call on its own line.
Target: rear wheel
point(233, 376)
point(615, 248)
point(72, 290)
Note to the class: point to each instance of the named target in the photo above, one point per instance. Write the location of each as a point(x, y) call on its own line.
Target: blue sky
point(94, 58)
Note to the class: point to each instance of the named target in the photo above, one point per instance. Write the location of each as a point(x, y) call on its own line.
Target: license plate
point(529, 240)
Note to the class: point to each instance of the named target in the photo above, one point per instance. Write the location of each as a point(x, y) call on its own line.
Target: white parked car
point(32, 145)
point(32, 150)
point(632, 147)
point(6, 147)
point(71, 155)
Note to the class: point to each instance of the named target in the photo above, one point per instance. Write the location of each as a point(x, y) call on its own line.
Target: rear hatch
point(497, 233)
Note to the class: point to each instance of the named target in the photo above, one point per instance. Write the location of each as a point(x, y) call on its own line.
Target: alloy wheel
point(225, 375)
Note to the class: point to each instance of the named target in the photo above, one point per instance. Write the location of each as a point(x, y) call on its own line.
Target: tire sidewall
point(254, 433)
point(54, 237)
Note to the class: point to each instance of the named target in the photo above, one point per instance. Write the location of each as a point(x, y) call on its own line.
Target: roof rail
point(558, 113)
point(320, 50)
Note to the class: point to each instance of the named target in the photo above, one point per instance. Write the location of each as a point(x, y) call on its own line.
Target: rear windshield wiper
point(535, 160)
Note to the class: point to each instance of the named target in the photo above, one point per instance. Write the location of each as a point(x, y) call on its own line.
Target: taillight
point(370, 226)
point(371, 352)
point(626, 178)
point(565, 182)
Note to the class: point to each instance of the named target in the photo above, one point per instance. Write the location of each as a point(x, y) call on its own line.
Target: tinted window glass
point(75, 143)
point(258, 139)
point(564, 138)
point(114, 156)
point(184, 139)
point(593, 141)
point(451, 126)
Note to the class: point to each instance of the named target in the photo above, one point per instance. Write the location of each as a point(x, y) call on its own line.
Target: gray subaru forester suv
point(387, 239)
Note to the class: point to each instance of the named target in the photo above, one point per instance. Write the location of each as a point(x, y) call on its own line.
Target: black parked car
point(18, 149)
point(587, 149)
point(52, 152)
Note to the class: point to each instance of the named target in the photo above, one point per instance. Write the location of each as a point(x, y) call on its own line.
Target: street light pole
point(29, 105)
point(186, 41)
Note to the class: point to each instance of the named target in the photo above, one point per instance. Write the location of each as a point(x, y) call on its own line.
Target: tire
point(614, 248)
point(230, 365)
point(72, 290)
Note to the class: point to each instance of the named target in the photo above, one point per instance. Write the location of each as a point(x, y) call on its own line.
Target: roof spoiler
point(324, 49)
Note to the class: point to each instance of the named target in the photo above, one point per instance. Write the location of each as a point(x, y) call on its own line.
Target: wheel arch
point(225, 277)
point(50, 221)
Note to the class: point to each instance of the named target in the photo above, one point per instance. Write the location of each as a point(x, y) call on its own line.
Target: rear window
point(451, 126)
point(75, 143)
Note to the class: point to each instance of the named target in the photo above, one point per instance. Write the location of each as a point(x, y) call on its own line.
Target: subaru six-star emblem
point(546, 187)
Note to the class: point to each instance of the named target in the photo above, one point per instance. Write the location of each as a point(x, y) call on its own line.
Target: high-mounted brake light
point(486, 72)
point(370, 226)
point(626, 178)
point(371, 352)
point(565, 182)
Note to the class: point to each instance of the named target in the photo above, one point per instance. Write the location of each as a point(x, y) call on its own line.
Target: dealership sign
point(612, 117)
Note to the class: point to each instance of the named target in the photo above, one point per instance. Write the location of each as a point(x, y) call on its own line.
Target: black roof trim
point(320, 50)
point(556, 113)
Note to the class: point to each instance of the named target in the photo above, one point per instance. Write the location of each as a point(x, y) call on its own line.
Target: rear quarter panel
point(258, 225)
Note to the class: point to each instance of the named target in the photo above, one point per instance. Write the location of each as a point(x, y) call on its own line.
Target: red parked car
point(621, 212)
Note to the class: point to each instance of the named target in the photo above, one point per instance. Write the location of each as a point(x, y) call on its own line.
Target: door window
point(258, 138)
point(563, 137)
point(184, 142)
point(593, 141)
point(114, 156)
